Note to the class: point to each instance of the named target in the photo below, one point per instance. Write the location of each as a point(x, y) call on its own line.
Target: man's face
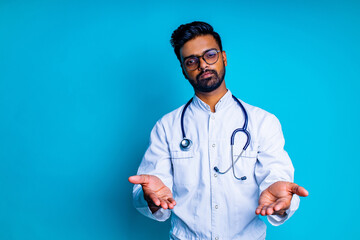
point(206, 77)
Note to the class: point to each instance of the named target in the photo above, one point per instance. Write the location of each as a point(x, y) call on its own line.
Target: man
point(189, 168)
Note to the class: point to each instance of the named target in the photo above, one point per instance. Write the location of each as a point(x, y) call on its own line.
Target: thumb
point(298, 190)
point(139, 179)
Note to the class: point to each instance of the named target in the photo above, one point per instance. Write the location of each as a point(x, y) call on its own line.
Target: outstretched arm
point(275, 174)
point(156, 162)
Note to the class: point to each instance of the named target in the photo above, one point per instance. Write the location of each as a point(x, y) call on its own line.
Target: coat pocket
point(245, 165)
point(184, 167)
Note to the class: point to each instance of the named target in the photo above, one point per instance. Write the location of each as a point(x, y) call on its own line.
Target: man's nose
point(202, 64)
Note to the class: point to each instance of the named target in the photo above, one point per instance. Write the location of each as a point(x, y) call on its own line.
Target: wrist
point(282, 214)
point(154, 209)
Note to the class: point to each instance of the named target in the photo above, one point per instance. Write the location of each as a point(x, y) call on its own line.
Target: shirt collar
point(221, 104)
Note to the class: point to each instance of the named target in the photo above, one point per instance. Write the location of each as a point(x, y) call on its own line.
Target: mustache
point(209, 71)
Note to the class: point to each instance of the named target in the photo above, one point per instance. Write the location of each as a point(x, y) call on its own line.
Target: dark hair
point(189, 31)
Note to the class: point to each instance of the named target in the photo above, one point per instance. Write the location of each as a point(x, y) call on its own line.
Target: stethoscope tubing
point(232, 140)
point(243, 129)
point(182, 118)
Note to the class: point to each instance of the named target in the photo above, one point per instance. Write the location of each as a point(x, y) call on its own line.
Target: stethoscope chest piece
point(185, 144)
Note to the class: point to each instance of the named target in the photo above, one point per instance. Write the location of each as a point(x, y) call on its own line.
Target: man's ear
point(224, 57)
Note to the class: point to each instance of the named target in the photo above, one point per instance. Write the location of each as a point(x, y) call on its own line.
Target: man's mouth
point(206, 75)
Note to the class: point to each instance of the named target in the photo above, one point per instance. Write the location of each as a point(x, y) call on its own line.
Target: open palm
point(277, 197)
point(156, 193)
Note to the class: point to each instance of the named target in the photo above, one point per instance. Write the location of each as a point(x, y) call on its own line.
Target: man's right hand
point(156, 193)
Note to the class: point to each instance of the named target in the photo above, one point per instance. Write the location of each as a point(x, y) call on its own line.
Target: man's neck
point(213, 97)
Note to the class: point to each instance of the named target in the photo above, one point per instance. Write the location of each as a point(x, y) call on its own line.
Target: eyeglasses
point(211, 56)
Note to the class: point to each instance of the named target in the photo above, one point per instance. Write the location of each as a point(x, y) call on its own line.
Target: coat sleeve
point(273, 163)
point(156, 161)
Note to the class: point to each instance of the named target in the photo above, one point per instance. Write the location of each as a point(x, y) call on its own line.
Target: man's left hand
point(277, 197)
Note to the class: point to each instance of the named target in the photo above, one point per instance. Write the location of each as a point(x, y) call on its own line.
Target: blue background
point(83, 82)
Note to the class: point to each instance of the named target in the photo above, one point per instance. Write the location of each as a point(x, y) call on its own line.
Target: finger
point(263, 211)
point(167, 204)
point(280, 205)
point(270, 209)
point(266, 210)
point(172, 201)
point(163, 204)
point(139, 179)
point(258, 209)
point(154, 199)
point(298, 190)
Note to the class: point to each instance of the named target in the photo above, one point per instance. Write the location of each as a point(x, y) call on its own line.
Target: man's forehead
point(198, 45)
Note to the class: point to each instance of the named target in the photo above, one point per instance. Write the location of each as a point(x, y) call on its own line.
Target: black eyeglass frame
point(201, 56)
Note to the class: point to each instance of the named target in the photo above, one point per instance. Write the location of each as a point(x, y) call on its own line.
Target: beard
point(208, 84)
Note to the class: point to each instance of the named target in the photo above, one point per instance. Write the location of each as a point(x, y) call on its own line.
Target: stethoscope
point(186, 143)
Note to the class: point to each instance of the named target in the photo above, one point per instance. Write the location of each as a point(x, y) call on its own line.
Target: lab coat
point(212, 205)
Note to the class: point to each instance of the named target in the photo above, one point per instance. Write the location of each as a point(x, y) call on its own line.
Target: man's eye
point(190, 62)
point(210, 54)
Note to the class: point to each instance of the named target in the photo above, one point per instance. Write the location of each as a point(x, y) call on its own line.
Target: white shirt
point(212, 205)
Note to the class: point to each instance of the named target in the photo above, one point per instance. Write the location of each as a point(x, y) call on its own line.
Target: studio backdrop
point(82, 83)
